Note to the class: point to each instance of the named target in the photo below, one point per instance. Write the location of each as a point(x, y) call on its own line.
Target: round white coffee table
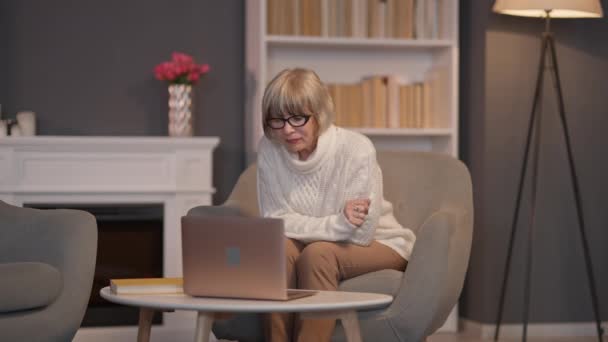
point(324, 304)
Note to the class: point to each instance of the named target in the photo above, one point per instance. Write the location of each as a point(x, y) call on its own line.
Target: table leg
point(145, 324)
point(204, 320)
point(350, 322)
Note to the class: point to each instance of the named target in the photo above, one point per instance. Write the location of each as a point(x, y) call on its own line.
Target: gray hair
point(297, 91)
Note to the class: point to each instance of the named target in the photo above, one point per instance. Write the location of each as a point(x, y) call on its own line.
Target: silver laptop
point(235, 257)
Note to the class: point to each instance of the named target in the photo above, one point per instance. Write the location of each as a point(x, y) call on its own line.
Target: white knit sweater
point(310, 195)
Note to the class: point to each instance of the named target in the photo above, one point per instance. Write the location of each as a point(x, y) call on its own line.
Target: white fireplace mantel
point(174, 172)
point(105, 165)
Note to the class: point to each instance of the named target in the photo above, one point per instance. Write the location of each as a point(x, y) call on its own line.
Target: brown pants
point(321, 266)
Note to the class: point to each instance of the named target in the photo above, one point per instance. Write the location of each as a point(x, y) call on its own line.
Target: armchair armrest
point(435, 274)
point(63, 239)
point(20, 288)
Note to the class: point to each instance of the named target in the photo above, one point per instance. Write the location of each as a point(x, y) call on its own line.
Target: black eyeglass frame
point(288, 120)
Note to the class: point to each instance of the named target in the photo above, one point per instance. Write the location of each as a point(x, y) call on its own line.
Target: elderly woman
point(325, 183)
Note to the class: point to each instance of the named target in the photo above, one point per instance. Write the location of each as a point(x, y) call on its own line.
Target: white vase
point(180, 110)
point(27, 123)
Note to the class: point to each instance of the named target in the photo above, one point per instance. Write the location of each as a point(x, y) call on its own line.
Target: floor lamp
point(547, 10)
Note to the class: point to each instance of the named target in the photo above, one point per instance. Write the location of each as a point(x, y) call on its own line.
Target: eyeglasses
point(294, 121)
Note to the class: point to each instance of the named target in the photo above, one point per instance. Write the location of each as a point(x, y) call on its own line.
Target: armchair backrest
point(244, 195)
point(416, 183)
point(421, 183)
point(430, 189)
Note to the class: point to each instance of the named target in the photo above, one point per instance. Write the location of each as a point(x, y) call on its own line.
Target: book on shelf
point(418, 102)
point(381, 101)
point(310, 17)
point(399, 19)
point(426, 21)
point(405, 105)
point(392, 99)
point(281, 17)
point(403, 21)
point(359, 18)
point(147, 286)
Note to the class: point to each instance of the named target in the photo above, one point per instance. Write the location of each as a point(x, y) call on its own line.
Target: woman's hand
point(356, 210)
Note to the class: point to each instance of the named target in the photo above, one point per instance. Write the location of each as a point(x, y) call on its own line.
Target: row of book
point(400, 19)
point(383, 102)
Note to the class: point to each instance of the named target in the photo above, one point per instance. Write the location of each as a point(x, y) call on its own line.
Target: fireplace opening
point(129, 245)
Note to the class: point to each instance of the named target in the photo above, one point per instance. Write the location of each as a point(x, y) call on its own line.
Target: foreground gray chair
point(47, 261)
point(432, 195)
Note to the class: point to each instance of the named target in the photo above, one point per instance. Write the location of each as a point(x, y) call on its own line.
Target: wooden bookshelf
point(349, 59)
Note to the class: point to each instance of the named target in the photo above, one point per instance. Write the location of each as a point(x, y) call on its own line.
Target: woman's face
point(301, 140)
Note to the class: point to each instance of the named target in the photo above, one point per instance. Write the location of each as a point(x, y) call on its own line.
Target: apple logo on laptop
point(233, 256)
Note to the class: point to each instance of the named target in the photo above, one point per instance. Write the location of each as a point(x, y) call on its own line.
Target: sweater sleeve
point(297, 226)
point(365, 181)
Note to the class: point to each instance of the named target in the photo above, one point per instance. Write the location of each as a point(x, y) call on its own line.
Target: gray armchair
point(432, 195)
point(47, 261)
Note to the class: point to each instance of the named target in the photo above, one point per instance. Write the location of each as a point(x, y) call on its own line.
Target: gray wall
point(499, 62)
point(85, 68)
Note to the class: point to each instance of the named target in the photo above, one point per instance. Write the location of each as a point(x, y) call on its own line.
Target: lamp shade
point(559, 8)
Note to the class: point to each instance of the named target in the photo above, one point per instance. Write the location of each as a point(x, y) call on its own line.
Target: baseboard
point(565, 329)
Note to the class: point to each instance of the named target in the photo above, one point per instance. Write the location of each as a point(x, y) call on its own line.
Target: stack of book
point(133, 286)
point(383, 102)
point(400, 19)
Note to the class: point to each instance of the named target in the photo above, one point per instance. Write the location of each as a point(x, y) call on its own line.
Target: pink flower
point(193, 77)
point(159, 73)
point(181, 69)
point(182, 58)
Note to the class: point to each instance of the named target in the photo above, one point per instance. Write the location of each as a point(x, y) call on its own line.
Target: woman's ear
point(317, 127)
